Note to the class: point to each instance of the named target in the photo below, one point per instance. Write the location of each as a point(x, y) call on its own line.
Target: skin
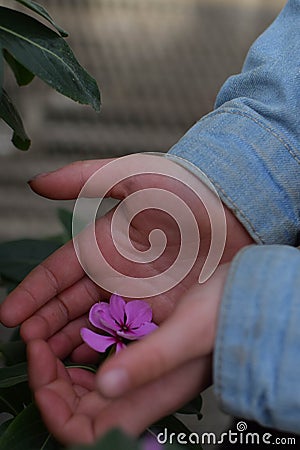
point(51, 305)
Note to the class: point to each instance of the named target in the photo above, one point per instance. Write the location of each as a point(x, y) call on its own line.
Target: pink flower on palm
point(120, 320)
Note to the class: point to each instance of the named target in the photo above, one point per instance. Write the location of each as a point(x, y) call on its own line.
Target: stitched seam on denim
point(258, 122)
point(236, 207)
point(226, 309)
point(231, 202)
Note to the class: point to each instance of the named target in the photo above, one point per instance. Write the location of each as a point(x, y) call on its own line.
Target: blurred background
point(159, 65)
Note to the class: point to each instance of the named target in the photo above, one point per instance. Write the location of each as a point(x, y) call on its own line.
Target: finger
point(39, 357)
point(68, 427)
point(55, 394)
point(66, 182)
point(189, 333)
point(65, 341)
point(83, 354)
point(68, 343)
point(133, 414)
point(65, 307)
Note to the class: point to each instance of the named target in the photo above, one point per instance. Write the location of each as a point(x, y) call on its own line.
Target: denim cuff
point(256, 358)
point(253, 167)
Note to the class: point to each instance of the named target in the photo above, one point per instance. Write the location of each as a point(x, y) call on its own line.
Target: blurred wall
point(159, 64)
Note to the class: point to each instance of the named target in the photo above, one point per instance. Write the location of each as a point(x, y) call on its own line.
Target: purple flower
point(120, 320)
point(151, 443)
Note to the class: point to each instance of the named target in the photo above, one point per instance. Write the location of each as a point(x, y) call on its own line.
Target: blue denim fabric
point(256, 360)
point(249, 147)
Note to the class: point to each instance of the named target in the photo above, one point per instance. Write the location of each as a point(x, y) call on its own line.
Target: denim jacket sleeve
point(249, 146)
point(256, 359)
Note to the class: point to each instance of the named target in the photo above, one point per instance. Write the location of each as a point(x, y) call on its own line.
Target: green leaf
point(6, 404)
point(8, 284)
point(193, 407)
point(14, 399)
point(47, 55)
point(11, 116)
point(15, 335)
point(18, 258)
point(113, 440)
point(14, 352)
point(65, 218)
point(39, 9)
point(90, 367)
point(10, 376)
point(27, 432)
point(4, 426)
point(22, 75)
point(172, 423)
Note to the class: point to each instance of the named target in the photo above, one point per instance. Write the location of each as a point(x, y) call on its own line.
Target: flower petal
point(97, 341)
point(95, 313)
point(117, 308)
point(120, 346)
point(150, 443)
point(137, 312)
point(138, 333)
point(100, 317)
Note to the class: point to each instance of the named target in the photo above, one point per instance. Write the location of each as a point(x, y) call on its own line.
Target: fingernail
point(39, 175)
point(114, 382)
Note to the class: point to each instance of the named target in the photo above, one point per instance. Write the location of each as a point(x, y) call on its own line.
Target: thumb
point(188, 334)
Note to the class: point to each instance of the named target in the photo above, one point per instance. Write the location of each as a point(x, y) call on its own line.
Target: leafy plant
point(31, 49)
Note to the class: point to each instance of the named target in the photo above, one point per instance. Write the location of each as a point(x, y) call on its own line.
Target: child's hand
point(167, 369)
point(75, 412)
